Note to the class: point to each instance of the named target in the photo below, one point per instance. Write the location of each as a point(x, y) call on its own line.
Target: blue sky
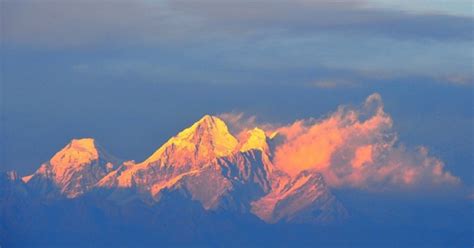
point(132, 74)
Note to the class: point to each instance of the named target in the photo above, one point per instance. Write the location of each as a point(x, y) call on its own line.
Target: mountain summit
point(74, 169)
point(255, 139)
point(77, 153)
point(205, 140)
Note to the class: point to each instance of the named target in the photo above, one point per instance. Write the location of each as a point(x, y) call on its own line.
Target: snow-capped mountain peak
point(255, 139)
point(74, 169)
point(76, 153)
point(203, 141)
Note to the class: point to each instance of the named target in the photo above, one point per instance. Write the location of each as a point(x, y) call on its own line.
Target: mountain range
point(203, 163)
point(204, 186)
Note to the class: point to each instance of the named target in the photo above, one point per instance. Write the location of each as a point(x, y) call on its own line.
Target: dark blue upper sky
point(132, 74)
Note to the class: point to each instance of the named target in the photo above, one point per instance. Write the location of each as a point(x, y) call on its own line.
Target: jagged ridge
point(204, 162)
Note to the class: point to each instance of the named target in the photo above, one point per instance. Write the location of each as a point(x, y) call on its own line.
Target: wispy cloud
point(73, 23)
point(248, 41)
point(303, 17)
point(83, 23)
point(333, 83)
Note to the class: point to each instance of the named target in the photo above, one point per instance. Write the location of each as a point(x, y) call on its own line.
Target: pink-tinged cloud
point(357, 147)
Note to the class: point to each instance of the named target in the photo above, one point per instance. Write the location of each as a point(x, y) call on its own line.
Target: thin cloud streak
point(312, 17)
point(80, 23)
point(245, 41)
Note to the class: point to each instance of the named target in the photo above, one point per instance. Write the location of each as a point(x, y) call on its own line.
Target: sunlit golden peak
point(207, 119)
point(203, 141)
point(207, 122)
point(78, 151)
point(84, 143)
point(255, 139)
point(207, 126)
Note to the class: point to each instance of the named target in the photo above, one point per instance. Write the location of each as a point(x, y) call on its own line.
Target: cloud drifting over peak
point(356, 147)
